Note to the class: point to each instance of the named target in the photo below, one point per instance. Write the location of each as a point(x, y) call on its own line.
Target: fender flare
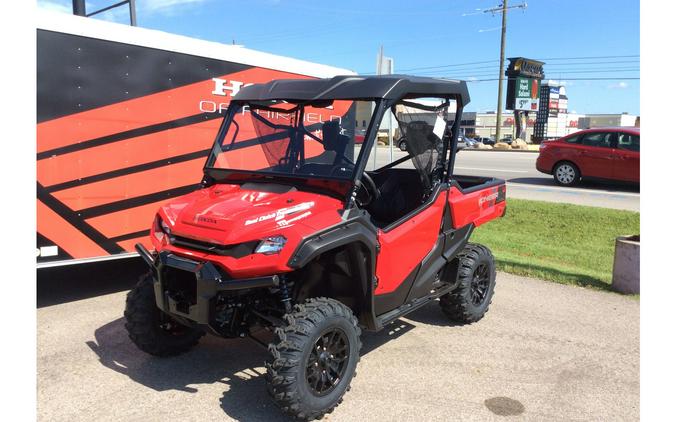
point(350, 233)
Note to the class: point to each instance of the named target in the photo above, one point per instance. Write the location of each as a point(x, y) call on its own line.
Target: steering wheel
point(345, 168)
point(370, 188)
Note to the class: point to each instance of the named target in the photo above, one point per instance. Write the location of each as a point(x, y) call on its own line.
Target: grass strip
point(565, 243)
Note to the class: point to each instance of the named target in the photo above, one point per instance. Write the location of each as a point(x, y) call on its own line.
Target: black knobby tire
point(476, 275)
point(150, 329)
point(566, 174)
point(292, 368)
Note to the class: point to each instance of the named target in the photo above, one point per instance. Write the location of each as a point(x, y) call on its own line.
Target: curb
point(500, 150)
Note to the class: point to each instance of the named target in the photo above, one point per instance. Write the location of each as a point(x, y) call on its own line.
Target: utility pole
point(502, 8)
point(501, 73)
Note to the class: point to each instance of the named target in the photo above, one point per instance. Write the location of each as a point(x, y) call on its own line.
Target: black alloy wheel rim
point(480, 285)
point(171, 327)
point(327, 362)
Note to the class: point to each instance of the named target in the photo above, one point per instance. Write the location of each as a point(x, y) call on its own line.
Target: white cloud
point(620, 85)
point(166, 6)
point(56, 5)
point(121, 13)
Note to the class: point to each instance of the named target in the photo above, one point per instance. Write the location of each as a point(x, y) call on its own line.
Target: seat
point(334, 144)
point(400, 193)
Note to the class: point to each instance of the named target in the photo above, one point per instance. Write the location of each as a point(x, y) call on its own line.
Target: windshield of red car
point(292, 139)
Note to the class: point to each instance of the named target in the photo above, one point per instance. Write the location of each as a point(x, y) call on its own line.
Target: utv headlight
point(161, 229)
point(271, 245)
point(165, 227)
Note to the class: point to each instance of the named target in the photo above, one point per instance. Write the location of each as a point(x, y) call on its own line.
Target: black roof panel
point(354, 87)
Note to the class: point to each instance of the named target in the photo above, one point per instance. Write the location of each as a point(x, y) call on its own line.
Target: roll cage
point(386, 92)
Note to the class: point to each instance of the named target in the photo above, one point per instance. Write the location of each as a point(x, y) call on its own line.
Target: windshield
point(292, 139)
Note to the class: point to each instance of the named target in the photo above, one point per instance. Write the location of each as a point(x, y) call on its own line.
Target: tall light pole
point(79, 9)
point(502, 8)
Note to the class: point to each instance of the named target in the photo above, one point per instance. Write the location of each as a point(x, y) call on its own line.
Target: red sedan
point(607, 153)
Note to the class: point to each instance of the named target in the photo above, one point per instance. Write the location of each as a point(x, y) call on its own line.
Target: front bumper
point(208, 282)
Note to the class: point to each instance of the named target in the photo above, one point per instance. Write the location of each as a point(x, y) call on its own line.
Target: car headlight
point(271, 245)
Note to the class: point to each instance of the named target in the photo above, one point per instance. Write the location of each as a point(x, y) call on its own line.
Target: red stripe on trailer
point(152, 109)
point(126, 221)
point(66, 237)
point(132, 185)
point(127, 153)
point(129, 245)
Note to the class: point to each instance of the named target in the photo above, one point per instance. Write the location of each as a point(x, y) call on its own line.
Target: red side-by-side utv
point(292, 234)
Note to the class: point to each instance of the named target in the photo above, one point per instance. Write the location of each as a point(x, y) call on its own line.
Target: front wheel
point(150, 329)
point(313, 358)
point(476, 277)
point(566, 174)
point(403, 145)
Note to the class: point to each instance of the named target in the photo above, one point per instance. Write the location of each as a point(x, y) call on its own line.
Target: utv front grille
point(236, 251)
point(181, 286)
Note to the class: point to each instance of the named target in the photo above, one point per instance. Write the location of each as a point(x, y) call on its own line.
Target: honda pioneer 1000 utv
point(290, 232)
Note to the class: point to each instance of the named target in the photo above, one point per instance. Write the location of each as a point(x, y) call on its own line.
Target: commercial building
point(552, 120)
point(605, 120)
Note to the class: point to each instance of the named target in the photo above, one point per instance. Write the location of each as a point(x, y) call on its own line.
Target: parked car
point(463, 142)
point(486, 141)
point(359, 136)
point(606, 153)
point(507, 140)
point(470, 142)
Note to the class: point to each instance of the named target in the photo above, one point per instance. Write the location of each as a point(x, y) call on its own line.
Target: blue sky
point(578, 40)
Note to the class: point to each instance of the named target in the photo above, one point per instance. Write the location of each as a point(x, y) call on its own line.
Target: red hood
point(229, 214)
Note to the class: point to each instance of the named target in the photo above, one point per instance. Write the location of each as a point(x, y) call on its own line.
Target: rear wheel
point(150, 329)
point(566, 174)
point(313, 358)
point(476, 275)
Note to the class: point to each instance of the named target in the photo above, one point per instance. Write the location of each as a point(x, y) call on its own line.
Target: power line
point(589, 57)
point(567, 79)
point(449, 65)
point(549, 76)
point(497, 62)
point(555, 71)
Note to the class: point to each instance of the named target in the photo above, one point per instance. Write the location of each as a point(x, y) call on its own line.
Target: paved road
point(544, 352)
point(525, 182)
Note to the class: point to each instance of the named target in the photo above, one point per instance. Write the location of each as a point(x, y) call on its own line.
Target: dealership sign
point(520, 66)
point(527, 94)
point(522, 92)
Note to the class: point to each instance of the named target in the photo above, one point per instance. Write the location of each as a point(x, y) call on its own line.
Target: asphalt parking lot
point(543, 352)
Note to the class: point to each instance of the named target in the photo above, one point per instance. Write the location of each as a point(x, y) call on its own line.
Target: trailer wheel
point(150, 329)
point(476, 277)
point(313, 358)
